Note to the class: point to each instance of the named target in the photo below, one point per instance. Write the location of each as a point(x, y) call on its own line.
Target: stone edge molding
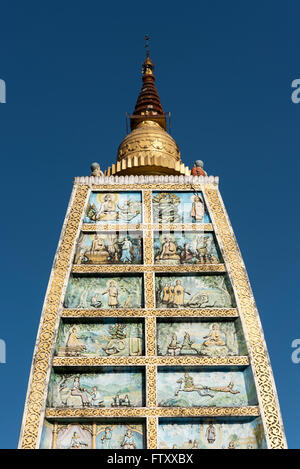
point(104, 180)
point(260, 361)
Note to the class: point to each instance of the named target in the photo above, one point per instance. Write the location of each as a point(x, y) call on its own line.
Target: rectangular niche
point(104, 434)
point(186, 247)
point(197, 337)
point(179, 207)
point(110, 248)
point(107, 337)
point(105, 291)
point(193, 291)
point(107, 386)
point(205, 387)
point(114, 208)
point(215, 433)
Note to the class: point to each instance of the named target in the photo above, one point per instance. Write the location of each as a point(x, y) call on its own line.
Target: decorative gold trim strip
point(100, 313)
point(155, 186)
point(56, 413)
point(149, 290)
point(150, 360)
point(94, 227)
point(147, 206)
point(121, 268)
point(201, 227)
point(257, 350)
point(148, 248)
point(34, 409)
point(152, 432)
point(151, 375)
point(150, 336)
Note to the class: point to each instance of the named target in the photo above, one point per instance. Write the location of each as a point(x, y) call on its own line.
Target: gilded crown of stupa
point(148, 149)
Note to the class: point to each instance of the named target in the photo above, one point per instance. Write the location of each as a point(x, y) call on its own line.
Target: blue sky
point(224, 70)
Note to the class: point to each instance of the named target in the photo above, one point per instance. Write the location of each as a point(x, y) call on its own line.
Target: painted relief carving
point(185, 248)
point(193, 291)
point(113, 207)
point(191, 388)
point(112, 387)
point(104, 292)
point(211, 339)
point(109, 338)
point(108, 435)
point(74, 437)
point(109, 248)
point(216, 434)
point(179, 207)
point(118, 436)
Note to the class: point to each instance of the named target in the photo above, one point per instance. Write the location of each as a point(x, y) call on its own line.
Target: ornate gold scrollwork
point(188, 312)
point(57, 413)
point(150, 360)
point(33, 411)
point(249, 315)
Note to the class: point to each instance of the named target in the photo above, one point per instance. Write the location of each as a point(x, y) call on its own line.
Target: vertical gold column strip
point(248, 312)
point(150, 336)
point(149, 290)
point(152, 432)
point(147, 206)
point(54, 435)
point(94, 439)
point(148, 248)
point(151, 385)
point(34, 405)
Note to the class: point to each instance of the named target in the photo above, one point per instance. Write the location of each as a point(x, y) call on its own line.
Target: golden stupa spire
point(148, 149)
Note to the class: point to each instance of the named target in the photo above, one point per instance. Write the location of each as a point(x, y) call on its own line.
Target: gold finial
point(148, 66)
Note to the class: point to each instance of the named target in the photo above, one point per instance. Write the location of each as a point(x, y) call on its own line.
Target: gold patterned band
point(248, 312)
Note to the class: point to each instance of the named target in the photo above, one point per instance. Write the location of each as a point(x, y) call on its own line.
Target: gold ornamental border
point(34, 404)
point(258, 353)
point(99, 269)
point(241, 360)
point(98, 228)
point(151, 429)
point(176, 186)
point(88, 412)
point(231, 313)
point(150, 336)
point(151, 380)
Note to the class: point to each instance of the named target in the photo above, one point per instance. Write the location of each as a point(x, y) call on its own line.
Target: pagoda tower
point(149, 334)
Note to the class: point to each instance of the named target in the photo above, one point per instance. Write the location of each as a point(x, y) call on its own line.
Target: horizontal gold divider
point(144, 313)
point(160, 186)
point(198, 227)
point(240, 360)
point(87, 412)
point(125, 268)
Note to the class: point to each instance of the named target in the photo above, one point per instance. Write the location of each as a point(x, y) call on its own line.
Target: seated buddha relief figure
point(214, 337)
point(168, 250)
point(107, 208)
point(98, 253)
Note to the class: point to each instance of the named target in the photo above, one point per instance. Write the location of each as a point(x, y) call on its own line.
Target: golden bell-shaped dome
point(148, 149)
